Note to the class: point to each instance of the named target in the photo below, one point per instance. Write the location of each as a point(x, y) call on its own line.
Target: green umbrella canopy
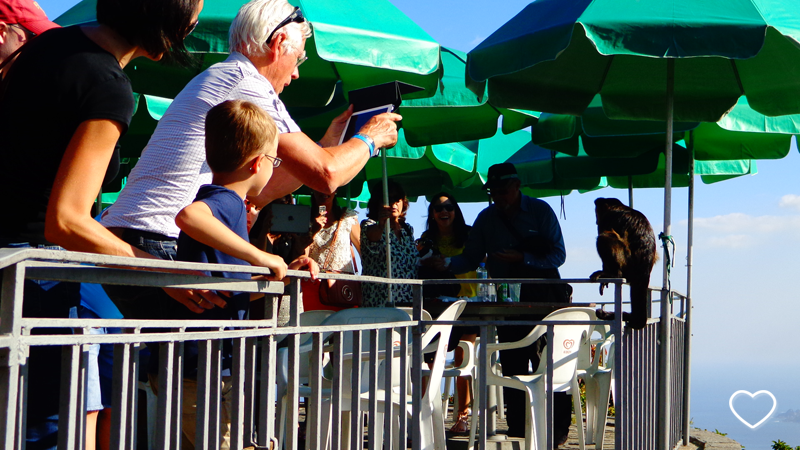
point(709, 171)
point(741, 134)
point(453, 114)
point(555, 55)
point(359, 43)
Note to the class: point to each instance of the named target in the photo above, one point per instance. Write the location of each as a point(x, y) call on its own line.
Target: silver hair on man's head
point(256, 20)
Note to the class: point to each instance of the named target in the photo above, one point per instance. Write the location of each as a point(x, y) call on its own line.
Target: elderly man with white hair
point(267, 40)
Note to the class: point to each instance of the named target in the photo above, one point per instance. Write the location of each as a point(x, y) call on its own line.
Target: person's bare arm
point(75, 189)
point(355, 236)
point(80, 175)
point(199, 223)
point(325, 169)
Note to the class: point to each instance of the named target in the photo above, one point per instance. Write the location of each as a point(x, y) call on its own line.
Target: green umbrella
point(648, 59)
point(358, 43)
point(555, 55)
point(742, 134)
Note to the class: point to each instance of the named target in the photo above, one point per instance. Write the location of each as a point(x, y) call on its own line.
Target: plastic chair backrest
point(354, 316)
point(442, 332)
point(567, 341)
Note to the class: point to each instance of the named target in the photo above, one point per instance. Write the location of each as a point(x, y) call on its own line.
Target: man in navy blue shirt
point(520, 238)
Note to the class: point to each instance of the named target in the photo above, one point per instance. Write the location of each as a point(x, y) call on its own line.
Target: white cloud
point(790, 201)
point(730, 241)
point(739, 223)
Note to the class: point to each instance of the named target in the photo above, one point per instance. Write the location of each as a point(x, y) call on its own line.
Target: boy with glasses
point(241, 146)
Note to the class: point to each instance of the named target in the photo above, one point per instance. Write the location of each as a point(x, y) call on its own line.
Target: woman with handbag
point(447, 234)
point(334, 233)
point(373, 245)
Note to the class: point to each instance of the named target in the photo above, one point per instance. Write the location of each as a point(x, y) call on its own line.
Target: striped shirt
point(173, 164)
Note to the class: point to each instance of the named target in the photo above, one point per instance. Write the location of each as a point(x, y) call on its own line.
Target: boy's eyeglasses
point(446, 207)
point(295, 17)
point(276, 162)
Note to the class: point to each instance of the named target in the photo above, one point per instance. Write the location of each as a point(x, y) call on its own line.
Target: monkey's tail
point(639, 300)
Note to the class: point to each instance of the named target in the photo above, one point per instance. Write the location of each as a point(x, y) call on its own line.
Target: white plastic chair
point(567, 340)
point(307, 318)
point(598, 380)
point(466, 370)
point(350, 317)
point(430, 417)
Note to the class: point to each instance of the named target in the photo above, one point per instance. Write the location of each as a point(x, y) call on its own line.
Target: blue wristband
point(367, 140)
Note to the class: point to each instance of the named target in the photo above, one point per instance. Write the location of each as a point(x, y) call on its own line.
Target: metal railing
point(255, 347)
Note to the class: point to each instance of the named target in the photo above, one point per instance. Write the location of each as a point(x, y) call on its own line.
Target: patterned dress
point(320, 249)
point(404, 264)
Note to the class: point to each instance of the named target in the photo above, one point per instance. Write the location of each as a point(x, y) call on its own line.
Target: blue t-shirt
point(228, 207)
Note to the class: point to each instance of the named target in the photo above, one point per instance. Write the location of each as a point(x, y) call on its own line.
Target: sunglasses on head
point(446, 207)
point(295, 17)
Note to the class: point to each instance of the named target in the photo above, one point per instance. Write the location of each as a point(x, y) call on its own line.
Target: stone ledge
point(708, 440)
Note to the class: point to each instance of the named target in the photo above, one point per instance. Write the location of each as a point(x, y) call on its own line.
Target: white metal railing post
point(293, 397)
point(416, 368)
point(664, 370)
point(11, 357)
point(619, 399)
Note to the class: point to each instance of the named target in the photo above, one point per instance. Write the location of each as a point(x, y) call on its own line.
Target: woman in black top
point(66, 103)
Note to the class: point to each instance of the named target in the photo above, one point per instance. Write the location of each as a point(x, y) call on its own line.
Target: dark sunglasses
point(191, 28)
point(501, 191)
point(28, 33)
point(447, 207)
point(294, 17)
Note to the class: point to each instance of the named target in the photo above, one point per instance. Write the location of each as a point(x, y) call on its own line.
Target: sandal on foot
point(462, 423)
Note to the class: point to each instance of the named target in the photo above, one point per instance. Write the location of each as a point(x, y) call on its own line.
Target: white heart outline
point(769, 414)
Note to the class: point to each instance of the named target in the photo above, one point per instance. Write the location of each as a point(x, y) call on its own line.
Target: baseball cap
point(26, 13)
point(499, 174)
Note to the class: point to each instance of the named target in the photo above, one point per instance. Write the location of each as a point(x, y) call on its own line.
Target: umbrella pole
point(664, 388)
point(388, 227)
point(687, 317)
point(630, 191)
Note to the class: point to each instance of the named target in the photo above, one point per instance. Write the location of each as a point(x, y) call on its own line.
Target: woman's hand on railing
point(196, 300)
point(305, 263)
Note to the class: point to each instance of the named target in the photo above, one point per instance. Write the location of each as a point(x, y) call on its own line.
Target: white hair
point(255, 21)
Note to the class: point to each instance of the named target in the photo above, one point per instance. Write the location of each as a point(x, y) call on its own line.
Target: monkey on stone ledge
point(627, 246)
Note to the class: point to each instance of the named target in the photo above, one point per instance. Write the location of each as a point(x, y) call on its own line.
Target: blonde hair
point(236, 131)
point(255, 21)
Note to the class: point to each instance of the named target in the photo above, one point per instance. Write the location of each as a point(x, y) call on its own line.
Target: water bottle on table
point(483, 288)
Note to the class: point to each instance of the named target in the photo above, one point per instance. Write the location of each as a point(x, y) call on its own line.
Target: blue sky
point(747, 240)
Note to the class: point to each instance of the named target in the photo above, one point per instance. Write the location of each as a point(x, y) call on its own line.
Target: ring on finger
point(200, 301)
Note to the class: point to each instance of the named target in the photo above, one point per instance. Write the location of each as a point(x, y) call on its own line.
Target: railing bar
point(356, 426)
point(202, 437)
point(388, 408)
point(314, 403)
point(80, 411)
point(249, 392)
point(416, 369)
point(549, 394)
point(482, 389)
point(402, 430)
point(293, 393)
point(237, 392)
point(215, 395)
point(373, 388)
point(21, 407)
point(133, 396)
point(336, 393)
point(176, 429)
point(12, 384)
point(68, 409)
point(120, 407)
point(266, 426)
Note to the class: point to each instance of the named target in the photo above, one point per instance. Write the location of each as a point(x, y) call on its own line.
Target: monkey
point(626, 245)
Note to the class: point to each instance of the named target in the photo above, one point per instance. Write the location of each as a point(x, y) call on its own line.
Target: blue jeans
point(135, 302)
